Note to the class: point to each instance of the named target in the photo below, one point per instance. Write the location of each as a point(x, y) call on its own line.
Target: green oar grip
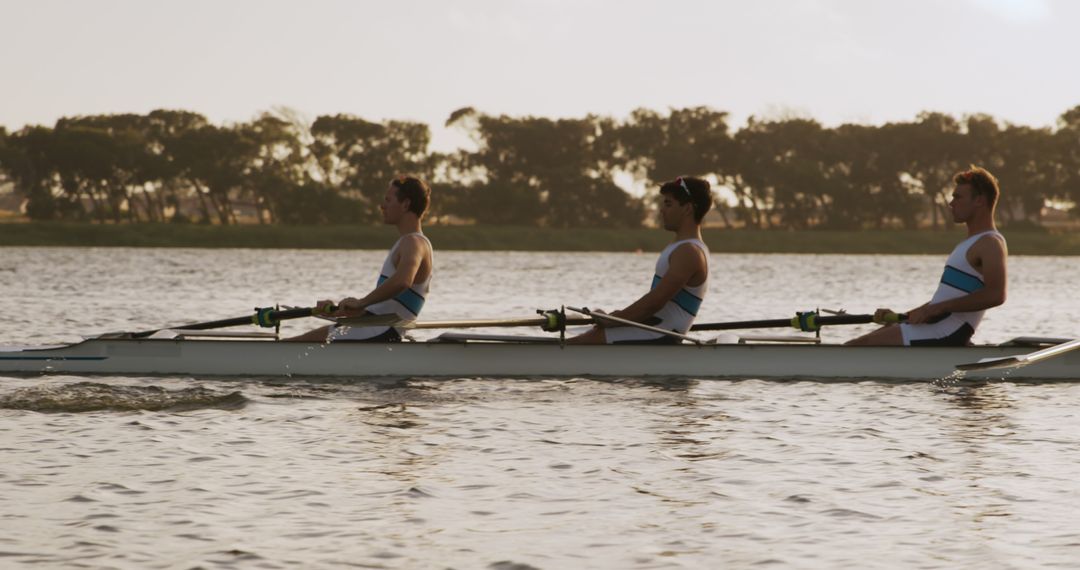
point(554, 321)
point(892, 318)
point(265, 317)
point(806, 322)
point(268, 317)
point(326, 310)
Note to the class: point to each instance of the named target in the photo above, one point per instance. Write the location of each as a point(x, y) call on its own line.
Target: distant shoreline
point(502, 238)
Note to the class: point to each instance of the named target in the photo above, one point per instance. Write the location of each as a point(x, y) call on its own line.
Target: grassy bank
point(513, 238)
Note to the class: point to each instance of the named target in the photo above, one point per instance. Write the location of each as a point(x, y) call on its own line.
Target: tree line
point(789, 173)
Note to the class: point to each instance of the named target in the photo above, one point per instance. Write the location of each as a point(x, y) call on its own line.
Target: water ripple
point(94, 396)
point(508, 474)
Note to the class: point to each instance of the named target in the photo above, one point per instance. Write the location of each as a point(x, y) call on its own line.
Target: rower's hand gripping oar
point(629, 323)
point(263, 317)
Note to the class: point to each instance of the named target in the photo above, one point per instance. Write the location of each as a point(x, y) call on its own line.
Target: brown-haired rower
point(682, 273)
point(405, 276)
point(974, 277)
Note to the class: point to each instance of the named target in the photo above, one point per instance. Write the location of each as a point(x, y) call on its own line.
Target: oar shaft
point(806, 324)
point(734, 325)
point(264, 317)
point(1021, 360)
point(478, 323)
point(394, 321)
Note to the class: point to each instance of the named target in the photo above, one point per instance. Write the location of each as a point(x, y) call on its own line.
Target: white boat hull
point(272, 358)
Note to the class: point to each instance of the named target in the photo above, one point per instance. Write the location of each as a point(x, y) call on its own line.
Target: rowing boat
point(462, 355)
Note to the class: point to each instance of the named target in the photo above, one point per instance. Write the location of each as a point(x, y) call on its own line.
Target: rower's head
point(976, 193)
point(406, 194)
point(686, 196)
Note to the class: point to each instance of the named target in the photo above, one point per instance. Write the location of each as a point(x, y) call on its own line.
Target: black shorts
point(391, 335)
point(959, 337)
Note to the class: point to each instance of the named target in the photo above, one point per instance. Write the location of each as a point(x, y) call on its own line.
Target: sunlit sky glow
point(839, 61)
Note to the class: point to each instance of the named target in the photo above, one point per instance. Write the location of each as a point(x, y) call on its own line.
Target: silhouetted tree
point(359, 158)
point(541, 171)
point(694, 141)
point(172, 165)
point(1067, 150)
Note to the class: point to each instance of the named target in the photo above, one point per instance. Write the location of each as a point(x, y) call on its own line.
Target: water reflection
point(980, 396)
point(978, 426)
point(642, 473)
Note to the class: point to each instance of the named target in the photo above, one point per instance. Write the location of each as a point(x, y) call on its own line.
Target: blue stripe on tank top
point(957, 279)
point(686, 300)
point(411, 300)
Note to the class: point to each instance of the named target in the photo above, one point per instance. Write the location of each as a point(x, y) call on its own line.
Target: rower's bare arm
point(411, 255)
point(685, 263)
point(993, 255)
point(989, 254)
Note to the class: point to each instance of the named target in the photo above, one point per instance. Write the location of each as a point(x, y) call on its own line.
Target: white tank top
point(679, 313)
point(960, 278)
point(409, 302)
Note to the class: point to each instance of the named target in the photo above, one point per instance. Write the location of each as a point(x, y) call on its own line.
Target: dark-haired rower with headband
point(405, 275)
point(682, 273)
point(973, 280)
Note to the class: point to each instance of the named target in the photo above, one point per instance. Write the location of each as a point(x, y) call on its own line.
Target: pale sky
point(838, 61)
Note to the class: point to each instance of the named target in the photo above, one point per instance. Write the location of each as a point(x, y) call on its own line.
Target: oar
point(264, 317)
point(1021, 360)
point(551, 321)
point(807, 322)
point(621, 321)
point(477, 323)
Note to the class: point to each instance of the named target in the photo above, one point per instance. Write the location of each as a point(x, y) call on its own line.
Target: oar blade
point(991, 363)
point(1023, 359)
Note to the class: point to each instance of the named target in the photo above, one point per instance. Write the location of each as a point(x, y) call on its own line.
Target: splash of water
point(336, 332)
point(949, 381)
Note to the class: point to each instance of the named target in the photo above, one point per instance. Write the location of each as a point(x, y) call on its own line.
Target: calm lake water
point(180, 472)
